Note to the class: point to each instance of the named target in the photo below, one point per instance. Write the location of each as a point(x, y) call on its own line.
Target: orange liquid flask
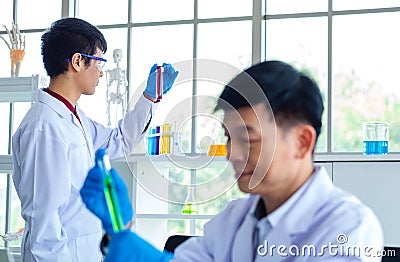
point(217, 150)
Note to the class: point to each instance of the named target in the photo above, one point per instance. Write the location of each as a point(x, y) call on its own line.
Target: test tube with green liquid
point(103, 162)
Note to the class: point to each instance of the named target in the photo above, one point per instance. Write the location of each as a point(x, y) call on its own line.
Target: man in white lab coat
point(54, 146)
point(293, 213)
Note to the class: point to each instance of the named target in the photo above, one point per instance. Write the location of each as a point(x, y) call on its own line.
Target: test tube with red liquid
point(159, 82)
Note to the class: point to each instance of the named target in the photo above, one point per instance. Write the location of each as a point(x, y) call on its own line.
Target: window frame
point(259, 18)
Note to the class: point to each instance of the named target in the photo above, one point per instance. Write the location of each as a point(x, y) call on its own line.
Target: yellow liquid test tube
point(103, 162)
point(165, 141)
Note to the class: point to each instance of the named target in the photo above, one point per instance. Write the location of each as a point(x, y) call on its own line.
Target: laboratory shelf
point(19, 89)
point(198, 161)
point(6, 164)
point(169, 157)
point(173, 216)
point(356, 157)
point(186, 161)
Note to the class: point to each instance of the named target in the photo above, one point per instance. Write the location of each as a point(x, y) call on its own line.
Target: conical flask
point(189, 207)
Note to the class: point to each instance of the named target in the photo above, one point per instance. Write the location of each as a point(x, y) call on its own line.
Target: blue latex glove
point(93, 196)
point(169, 78)
point(126, 246)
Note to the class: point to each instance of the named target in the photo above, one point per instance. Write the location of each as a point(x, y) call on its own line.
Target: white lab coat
point(316, 218)
point(52, 153)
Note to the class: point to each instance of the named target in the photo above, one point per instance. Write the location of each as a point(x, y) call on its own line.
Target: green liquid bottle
point(189, 207)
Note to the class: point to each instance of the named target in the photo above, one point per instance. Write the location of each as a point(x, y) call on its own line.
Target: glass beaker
point(375, 138)
point(217, 150)
point(189, 207)
point(218, 146)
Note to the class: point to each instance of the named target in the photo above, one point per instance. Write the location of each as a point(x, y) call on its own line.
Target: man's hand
point(126, 246)
point(169, 78)
point(92, 194)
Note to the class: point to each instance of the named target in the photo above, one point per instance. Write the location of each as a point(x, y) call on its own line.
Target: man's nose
point(237, 154)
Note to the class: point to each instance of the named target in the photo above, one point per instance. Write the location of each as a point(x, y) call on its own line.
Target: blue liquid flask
point(375, 147)
point(375, 138)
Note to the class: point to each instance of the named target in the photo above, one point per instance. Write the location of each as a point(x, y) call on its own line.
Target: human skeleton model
point(116, 88)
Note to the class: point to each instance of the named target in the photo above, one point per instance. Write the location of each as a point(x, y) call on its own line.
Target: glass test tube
point(110, 193)
point(159, 82)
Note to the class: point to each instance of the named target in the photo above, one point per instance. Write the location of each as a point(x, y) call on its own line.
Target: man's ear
point(76, 61)
point(305, 135)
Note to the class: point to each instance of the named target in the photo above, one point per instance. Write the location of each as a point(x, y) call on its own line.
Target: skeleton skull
point(117, 54)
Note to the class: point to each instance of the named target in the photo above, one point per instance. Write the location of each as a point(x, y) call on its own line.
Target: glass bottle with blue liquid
point(375, 138)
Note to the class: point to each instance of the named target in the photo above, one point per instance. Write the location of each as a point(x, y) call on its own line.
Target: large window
point(365, 86)
point(343, 46)
point(303, 43)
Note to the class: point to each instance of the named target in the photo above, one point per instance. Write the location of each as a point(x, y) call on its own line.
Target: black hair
point(292, 96)
point(66, 37)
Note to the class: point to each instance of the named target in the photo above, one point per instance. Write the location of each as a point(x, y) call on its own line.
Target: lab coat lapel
point(302, 213)
point(299, 217)
point(83, 125)
point(53, 103)
point(268, 250)
point(76, 121)
point(244, 241)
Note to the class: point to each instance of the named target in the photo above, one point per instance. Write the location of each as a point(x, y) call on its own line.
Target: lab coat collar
point(58, 106)
point(54, 103)
point(301, 205)
point(315, 193)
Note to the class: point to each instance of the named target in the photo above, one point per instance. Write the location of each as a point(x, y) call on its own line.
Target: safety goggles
point(100, 62)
